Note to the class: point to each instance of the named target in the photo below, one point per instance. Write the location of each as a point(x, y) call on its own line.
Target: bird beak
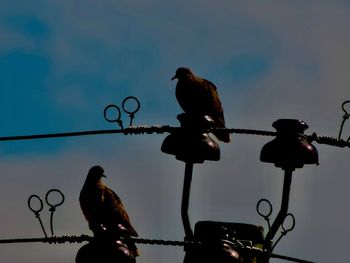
point(175, 77)
point(104, 176)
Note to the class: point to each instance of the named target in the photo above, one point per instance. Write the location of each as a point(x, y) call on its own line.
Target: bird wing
point(213, 103)
point(115, 211)
point(216, 111)
point(90, 200)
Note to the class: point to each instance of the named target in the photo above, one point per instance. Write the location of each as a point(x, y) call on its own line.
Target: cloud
point(269, 60)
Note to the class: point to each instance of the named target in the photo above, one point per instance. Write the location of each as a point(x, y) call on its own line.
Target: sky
point(62, 62)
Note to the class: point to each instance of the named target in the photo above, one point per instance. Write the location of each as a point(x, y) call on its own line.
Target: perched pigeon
point(102, 208)
point(199, 96)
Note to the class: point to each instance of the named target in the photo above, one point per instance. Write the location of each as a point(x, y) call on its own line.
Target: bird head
point(181, 72)
point(95, 174)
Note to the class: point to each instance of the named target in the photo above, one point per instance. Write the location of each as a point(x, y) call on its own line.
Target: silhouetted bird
point(198, 96)
point(102, 208)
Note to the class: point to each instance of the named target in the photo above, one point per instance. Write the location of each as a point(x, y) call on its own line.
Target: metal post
point(186, 200)
point(284, 208)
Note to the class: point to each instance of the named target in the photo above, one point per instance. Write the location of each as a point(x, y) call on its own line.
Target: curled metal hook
point(345, 118)
point(264, 209)
point(265, 214)
point(131, 113)
point(117, 112)
point(52, 204)
point(285, 229)
point(117, 119)
point(343, 107)
point(37, 211)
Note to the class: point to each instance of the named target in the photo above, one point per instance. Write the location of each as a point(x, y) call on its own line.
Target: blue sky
point(62, 62)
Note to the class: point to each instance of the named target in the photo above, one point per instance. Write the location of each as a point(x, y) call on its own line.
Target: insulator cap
point(192, 143)
point(290, 149)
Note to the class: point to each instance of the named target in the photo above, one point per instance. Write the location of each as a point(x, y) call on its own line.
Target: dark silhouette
point(199, 97)
point(104, 211)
